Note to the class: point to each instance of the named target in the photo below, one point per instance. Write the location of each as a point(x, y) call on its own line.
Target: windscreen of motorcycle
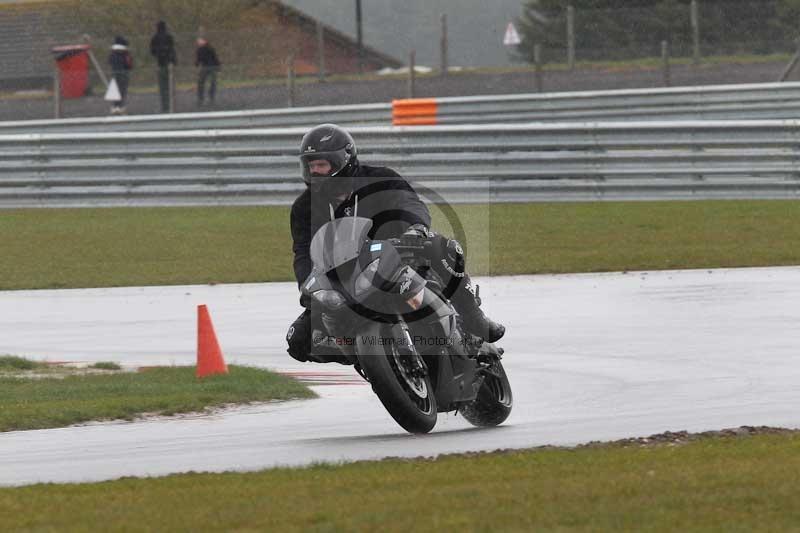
point(338, 242)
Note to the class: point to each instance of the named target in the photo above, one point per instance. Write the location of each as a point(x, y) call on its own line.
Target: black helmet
point(334, 145)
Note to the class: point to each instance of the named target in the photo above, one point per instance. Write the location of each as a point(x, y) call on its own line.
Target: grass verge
point(14, 364)
point(36, 396)
point(72, 248)
point(708, 484)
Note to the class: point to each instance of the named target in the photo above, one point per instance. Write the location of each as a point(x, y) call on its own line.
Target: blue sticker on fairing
point(376, 247)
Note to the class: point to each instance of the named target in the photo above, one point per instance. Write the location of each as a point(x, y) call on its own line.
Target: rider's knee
point(298, 338)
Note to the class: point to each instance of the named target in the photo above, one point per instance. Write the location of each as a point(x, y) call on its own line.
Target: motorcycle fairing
point(338, 242)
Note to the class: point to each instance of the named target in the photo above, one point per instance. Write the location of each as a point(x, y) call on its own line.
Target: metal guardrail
point(717, 102)
point(720, 102)
point(527, 162)
point(346, 115)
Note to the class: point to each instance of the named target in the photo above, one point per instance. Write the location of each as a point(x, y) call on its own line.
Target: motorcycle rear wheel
point(494, 401)
point(409, 398)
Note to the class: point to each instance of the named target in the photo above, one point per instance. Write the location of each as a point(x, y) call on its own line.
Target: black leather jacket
point(383, 196)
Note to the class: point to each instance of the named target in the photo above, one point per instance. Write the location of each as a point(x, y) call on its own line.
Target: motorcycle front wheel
point(403, 391)
point(494, 401)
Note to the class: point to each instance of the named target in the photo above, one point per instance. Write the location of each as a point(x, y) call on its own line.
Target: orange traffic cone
point(209, 356)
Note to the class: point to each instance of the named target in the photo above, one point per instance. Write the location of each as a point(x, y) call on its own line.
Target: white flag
point(112, 93)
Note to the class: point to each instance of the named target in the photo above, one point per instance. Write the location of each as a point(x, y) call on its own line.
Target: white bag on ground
point(112, 93)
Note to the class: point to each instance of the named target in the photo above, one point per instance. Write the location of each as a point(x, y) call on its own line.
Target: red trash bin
point(73, 66)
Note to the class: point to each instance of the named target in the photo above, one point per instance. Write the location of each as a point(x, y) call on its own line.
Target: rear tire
point(409, 399)
point(494, 401)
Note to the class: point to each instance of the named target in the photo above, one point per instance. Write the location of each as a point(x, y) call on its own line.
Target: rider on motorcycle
point(337, 185)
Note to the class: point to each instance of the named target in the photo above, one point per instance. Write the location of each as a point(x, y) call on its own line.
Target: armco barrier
point(346, 115)
point(495, 162)
point(719, 102)
point(722, 102)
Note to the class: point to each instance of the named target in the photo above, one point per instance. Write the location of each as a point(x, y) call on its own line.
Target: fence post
point(695, 18)
point(537, 61)
point(360, 37)
point(57, 109)
point(571, 37)
point(320, 51)
point(412, 74)
point(171, 71)
point(665, 61)
point(443, 45)
point(792, 63)
point(290, 79)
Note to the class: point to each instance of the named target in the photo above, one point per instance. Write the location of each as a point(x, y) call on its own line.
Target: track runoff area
point(590, 356)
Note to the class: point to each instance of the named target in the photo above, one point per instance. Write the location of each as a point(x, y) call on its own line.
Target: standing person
point(208, 63)
point(162, 47)
point(121, 64)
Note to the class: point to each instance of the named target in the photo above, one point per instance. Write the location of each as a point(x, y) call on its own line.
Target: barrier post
point(665, 61)
point(290, 79)
point(171, 85)
point(57, 93)
point(571, 37)
point(412, 74)
point(537, 61)
point(359, 37)
point(320, 51)
point(443, 46)
point(695, 20)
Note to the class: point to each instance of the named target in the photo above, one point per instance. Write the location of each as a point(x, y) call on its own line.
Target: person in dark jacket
point(121, 64)
point(208, 63)
point(336, 183)
point(162, 47)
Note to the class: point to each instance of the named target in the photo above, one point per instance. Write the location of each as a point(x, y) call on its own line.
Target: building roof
point(333, 34)
point(475, 27)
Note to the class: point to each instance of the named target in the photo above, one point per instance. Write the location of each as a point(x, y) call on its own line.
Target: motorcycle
point(387, 313)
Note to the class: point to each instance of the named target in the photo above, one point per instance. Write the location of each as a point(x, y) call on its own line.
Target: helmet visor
point(313, 168)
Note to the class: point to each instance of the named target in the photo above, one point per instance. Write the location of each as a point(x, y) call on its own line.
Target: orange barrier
point(414, 112)
point(209, 356)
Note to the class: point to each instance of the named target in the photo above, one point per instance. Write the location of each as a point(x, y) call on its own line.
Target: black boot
point(475, 321)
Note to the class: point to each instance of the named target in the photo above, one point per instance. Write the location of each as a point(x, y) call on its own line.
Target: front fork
point(408, 351)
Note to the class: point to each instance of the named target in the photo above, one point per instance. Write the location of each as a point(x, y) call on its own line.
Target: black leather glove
point(418, 230)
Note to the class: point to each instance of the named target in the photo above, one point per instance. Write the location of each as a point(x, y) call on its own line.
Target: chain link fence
point(700, 27)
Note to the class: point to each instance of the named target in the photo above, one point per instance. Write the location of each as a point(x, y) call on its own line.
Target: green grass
point(12, 363)
point(71, 248)
point(591, 237)
point(105, 365)
point(147, 246)
point(35, 400)
point(713, 484)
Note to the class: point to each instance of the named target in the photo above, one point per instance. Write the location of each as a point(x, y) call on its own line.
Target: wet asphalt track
point(590, 357)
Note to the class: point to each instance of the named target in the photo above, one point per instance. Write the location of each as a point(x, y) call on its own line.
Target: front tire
point(494, 401)
point(409, 398)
